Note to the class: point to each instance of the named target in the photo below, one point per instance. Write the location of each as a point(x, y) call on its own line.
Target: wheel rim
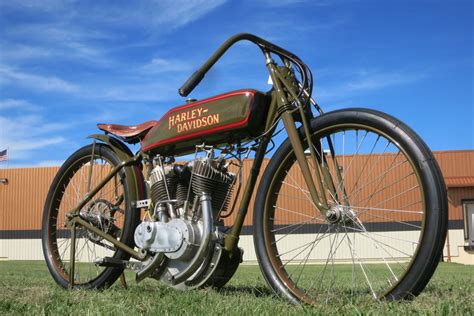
point(105, 211)
point(363, 248)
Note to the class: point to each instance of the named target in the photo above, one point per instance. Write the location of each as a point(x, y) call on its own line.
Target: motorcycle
point(352, 204)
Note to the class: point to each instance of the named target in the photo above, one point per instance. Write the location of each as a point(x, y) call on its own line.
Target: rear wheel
point(109, 210)
point(385, 228)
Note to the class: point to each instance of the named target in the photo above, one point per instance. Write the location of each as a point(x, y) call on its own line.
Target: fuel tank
point(225, 118)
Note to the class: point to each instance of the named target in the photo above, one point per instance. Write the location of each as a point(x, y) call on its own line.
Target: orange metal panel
point(22, 199)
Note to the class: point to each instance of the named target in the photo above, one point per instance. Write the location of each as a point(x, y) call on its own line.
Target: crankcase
point(175, 238)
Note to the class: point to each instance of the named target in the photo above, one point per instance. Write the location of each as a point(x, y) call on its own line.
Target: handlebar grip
point(191, 83)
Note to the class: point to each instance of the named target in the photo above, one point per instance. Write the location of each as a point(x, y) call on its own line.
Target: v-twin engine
point(205, 175)
point(186, 201)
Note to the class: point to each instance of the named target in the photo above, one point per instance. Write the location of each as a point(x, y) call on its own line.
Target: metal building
point(23, 191)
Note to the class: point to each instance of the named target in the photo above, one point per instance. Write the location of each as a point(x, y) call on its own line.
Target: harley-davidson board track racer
point(351, 205)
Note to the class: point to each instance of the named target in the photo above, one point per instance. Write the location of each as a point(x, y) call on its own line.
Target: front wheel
point(384, 231)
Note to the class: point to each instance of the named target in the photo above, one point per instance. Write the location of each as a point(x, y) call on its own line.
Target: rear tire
point(109, 210)
point(383, 241)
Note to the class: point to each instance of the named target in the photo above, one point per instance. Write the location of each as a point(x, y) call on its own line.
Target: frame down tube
point(232, 239)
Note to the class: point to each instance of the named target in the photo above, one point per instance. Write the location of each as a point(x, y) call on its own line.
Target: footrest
point(111, 262)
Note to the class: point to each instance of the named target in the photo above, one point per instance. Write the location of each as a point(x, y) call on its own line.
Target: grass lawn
point(27, 288)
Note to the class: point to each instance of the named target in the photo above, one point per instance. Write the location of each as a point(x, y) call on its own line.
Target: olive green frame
point(290, 112)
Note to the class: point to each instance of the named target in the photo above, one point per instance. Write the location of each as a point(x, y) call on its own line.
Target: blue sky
point(67, 65)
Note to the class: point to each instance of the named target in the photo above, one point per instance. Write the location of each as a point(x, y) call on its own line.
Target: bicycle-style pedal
point(111, 262)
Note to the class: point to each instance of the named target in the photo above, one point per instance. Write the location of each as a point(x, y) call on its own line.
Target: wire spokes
point(366, 249)
point(105, 211)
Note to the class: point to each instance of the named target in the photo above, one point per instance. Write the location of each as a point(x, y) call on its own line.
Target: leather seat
point(129, 133)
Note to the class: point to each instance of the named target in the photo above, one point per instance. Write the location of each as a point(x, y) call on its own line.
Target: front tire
point(385, 231)
point(109, 210)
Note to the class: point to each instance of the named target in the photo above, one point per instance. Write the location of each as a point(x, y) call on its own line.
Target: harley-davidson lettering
point(193, 119)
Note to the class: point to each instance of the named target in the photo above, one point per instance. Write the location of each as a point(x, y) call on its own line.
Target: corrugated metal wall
point(459, 163)
point(452, 164)
point(22, 200)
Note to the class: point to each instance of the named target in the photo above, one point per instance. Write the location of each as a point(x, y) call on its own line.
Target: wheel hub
point(339, 214)
point(99, 214)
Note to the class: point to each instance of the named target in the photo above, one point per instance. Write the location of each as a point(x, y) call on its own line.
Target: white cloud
point(23, 134)
point(35, 82)
point(44, 5)
point(88, 33)
point(372, 81)
point(49, 163)
point(27, 145)
point(21, 150)
point(55, 33)
point(138, 92)
point(179, 13)
point(17, 104)
point(62, 18)
point(26, 126)
point(59, 51)
point(364, 81)
point(284, 3)
point(18, 52)
point(160, 65)
point(158, 16)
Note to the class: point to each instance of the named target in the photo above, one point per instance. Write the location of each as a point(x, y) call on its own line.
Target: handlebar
point(191, 83)
point(197, 76)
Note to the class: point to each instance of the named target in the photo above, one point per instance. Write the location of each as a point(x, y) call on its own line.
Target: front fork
point(324, 179)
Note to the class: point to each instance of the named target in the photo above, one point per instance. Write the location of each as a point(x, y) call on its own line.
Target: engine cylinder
point(182, 193)
point(208, 179)
point(163, 184)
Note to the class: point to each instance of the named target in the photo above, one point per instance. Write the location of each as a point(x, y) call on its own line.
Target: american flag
point(3, 155)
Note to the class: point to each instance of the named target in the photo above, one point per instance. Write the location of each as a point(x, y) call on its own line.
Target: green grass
point(27, 288)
